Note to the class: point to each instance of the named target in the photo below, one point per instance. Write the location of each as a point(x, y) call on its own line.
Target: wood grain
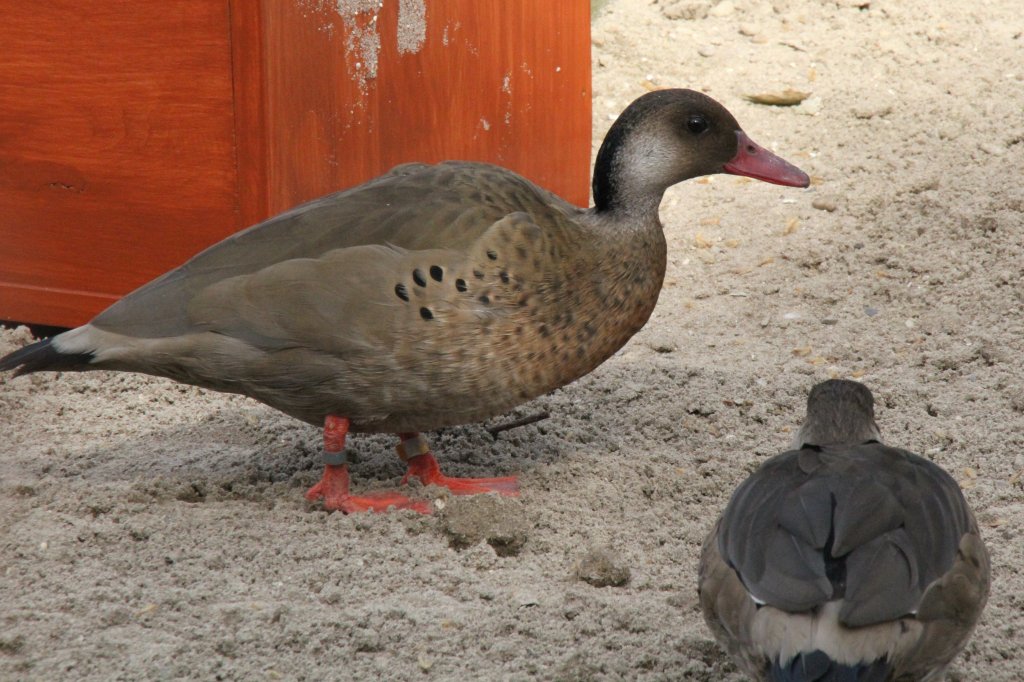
point(505, 82)
point(116, 148)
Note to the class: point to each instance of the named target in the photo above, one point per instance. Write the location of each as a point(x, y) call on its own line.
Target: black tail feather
point(818, 667)
point(41, 356)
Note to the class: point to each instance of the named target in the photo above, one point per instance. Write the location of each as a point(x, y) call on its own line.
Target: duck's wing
point(446, 206)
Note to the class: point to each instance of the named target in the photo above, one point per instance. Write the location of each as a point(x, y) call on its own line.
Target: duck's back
point(845, 516)
point(862, 551)
point(414, 206)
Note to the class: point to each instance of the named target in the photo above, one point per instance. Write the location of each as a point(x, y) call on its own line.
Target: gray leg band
point(336, 458)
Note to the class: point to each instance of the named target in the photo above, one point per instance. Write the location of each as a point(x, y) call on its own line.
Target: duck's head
point(668, 136)
point(839, 411)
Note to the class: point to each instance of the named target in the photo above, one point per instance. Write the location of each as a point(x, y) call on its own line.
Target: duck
point(430, 296)
point(844, 559)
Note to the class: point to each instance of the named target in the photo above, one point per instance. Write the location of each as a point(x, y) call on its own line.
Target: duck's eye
point(696, 124)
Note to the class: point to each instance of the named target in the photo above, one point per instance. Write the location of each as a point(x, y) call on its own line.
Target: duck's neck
point(625, 219)
point(622, 184)
point(626, 273)
point(837, 429)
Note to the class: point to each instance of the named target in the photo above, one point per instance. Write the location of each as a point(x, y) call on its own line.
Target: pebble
point(872, 110)
point(824, 204)
point(992, 148)
point(810, 106)
point(689, 10)
point(663, 343)
point(526, 598)
point(706, 50)
point(722, 9)
point(749, 29)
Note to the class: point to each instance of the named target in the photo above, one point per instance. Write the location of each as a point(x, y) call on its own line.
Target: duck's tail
point(818, 667)
point(43, 356)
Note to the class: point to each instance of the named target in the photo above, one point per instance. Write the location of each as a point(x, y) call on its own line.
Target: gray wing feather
point(866, 509)
point(297, 303)
point(794, 573)
point(895, 522)
point(883, 580)
point(415, 207)
point(807, 513)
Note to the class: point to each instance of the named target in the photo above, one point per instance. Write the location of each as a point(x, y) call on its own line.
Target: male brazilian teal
point(844, 559)
point(430, 296)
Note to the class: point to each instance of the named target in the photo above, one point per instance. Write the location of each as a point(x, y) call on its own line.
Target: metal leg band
point(412, 447)
point(336, 458)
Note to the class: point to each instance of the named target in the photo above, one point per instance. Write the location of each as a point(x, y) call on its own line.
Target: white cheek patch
point(649, 160)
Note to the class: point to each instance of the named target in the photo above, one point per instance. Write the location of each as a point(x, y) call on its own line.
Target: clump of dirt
point(602, 567)
point(496, 520)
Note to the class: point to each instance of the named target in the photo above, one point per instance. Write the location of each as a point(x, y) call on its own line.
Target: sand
point(155, 531)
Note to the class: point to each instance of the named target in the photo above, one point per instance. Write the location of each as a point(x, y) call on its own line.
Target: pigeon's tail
point(43, 356)
point(818, 667)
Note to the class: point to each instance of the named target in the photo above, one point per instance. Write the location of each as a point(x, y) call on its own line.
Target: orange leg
point(334, 485)
point(422, 464)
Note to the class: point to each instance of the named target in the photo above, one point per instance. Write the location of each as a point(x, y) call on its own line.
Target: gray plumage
point(866, 553)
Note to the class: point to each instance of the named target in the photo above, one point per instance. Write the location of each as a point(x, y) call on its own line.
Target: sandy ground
point(150, 530)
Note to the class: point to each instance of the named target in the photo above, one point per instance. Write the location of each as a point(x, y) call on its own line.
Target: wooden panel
point(249, 71)
point(133, 134)
point(116, 148)
point(506, 82)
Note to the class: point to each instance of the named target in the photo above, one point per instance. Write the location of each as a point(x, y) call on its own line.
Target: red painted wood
point(134, 134)
point(116, 148)
point(505, 82)
point(249, 94)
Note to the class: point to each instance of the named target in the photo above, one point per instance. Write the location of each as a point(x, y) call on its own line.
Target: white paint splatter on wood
point(412, 25)
point(362, 30)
